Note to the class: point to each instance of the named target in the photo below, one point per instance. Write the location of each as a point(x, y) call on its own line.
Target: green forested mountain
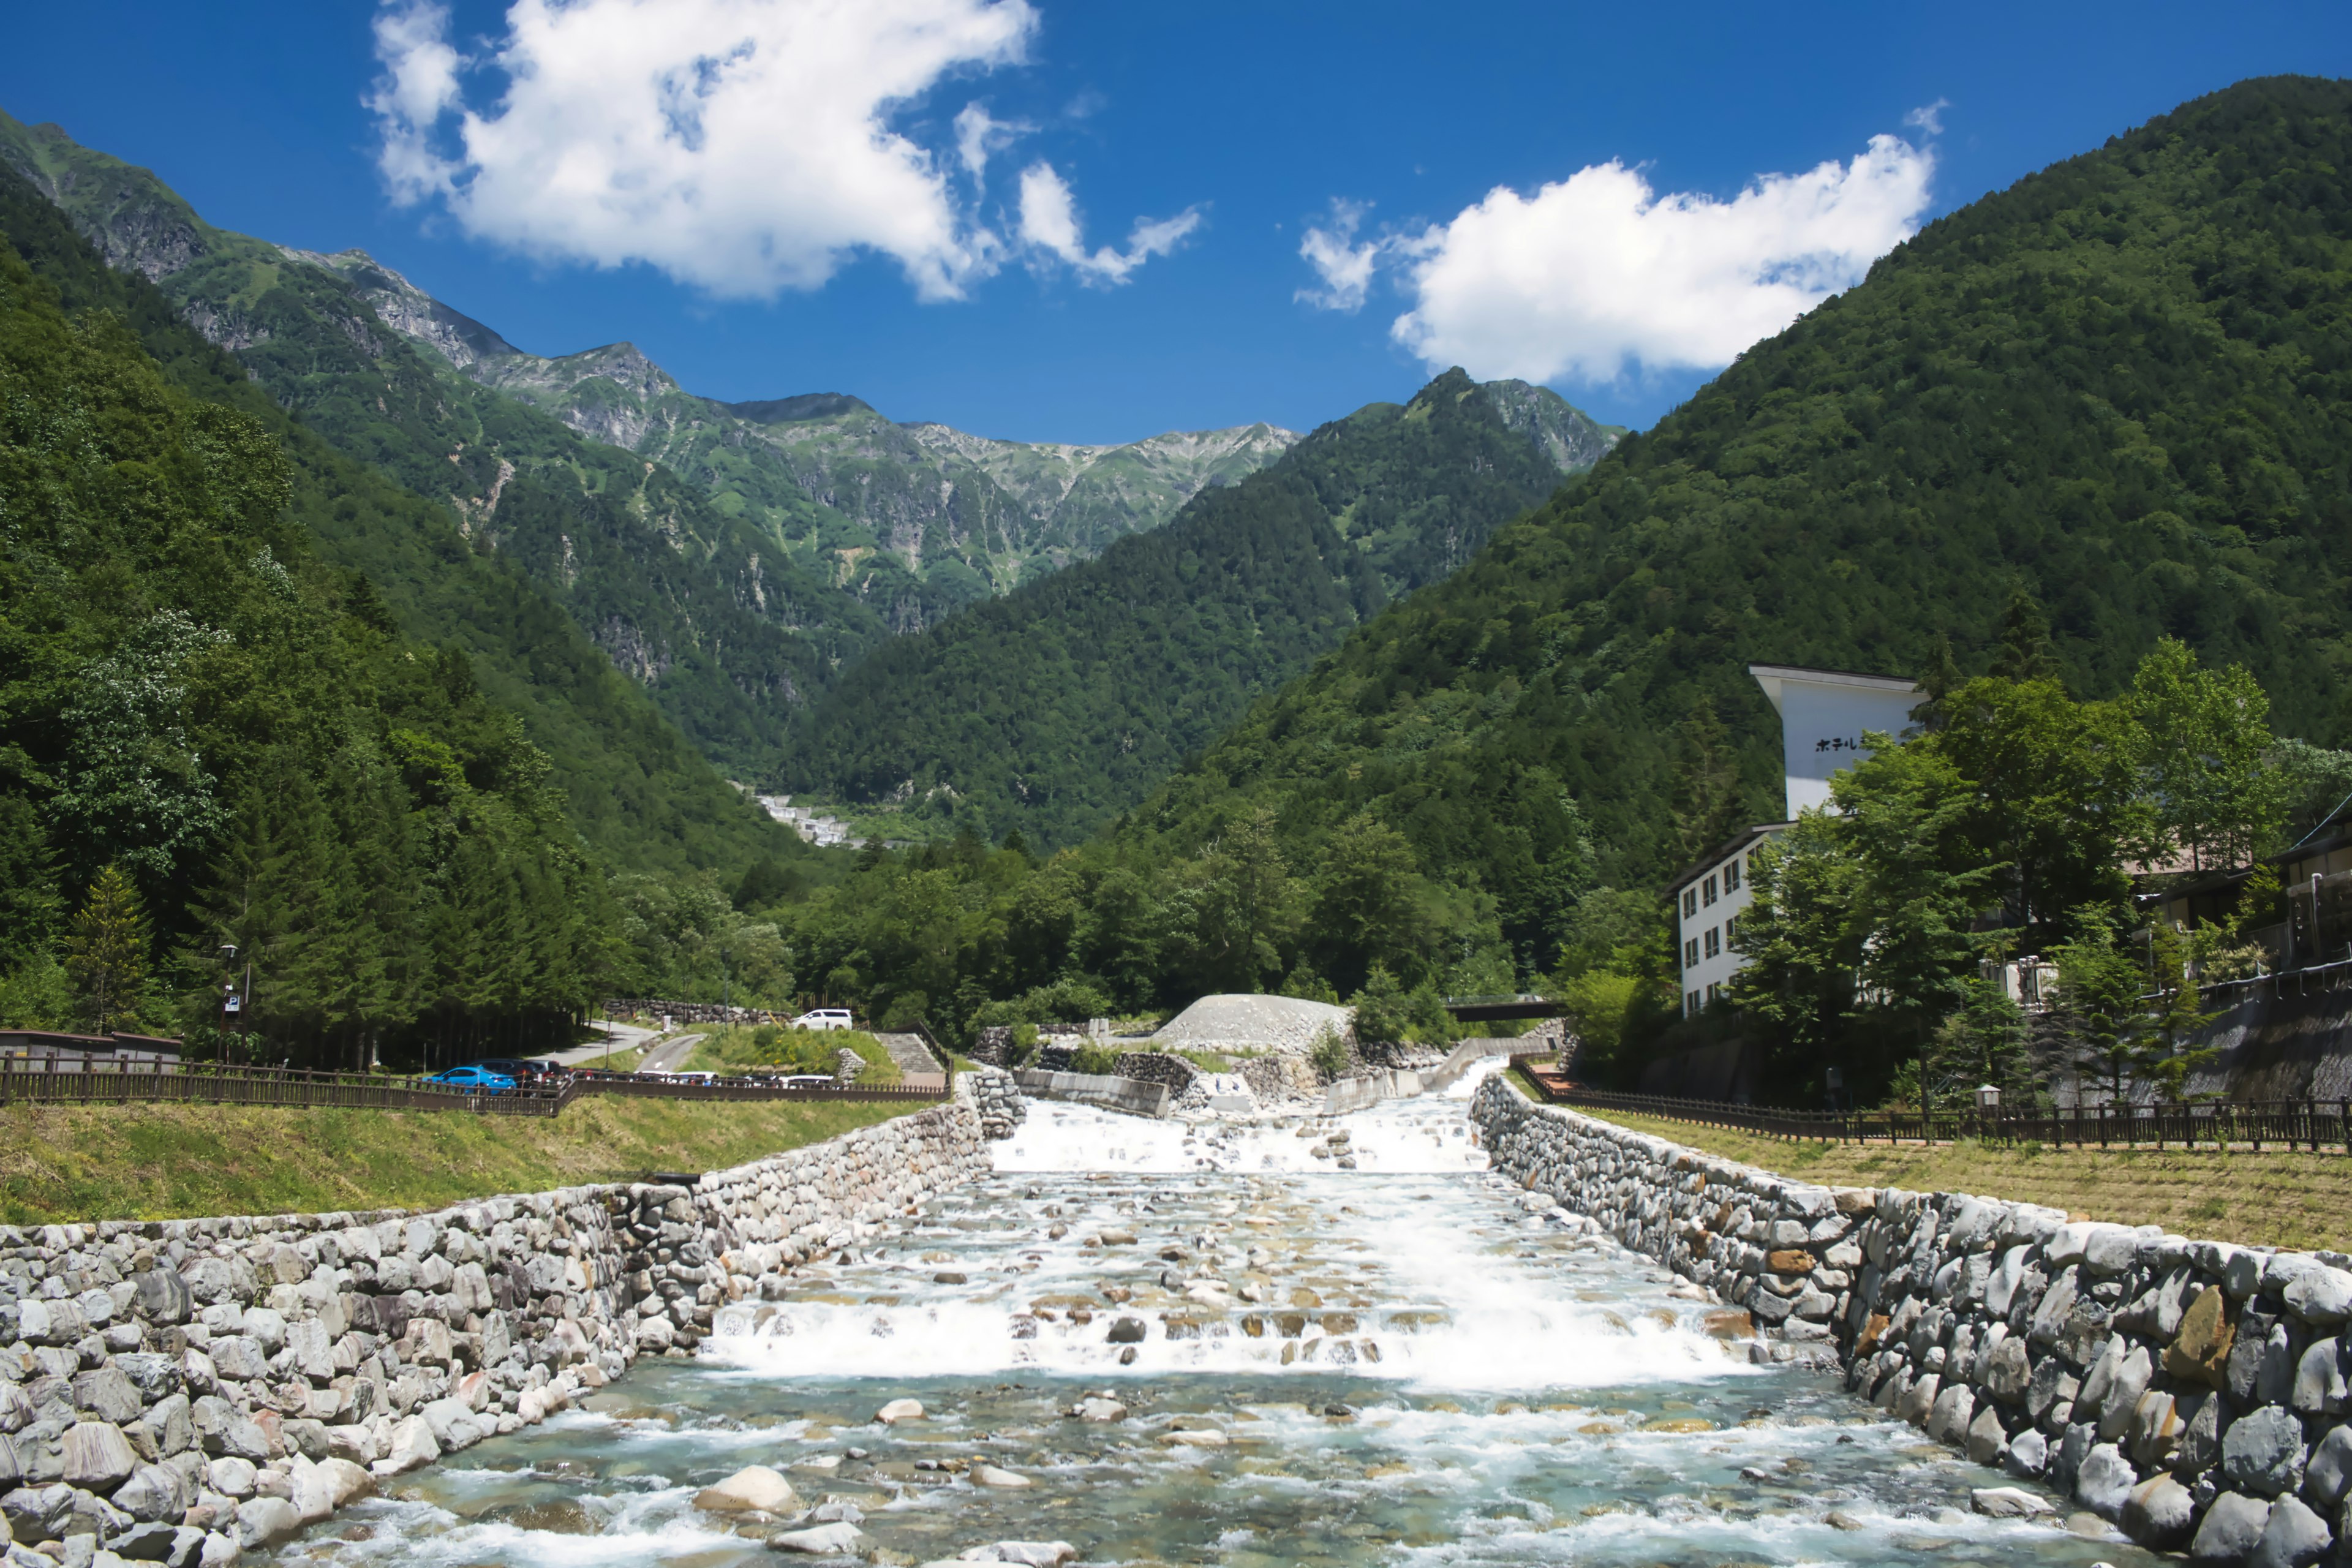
point(636, 792)
point(2123, 385)
point(710, 612)
point(1065, 703)
point(208, 735)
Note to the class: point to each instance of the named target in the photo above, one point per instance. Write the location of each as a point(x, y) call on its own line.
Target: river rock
point(2231, 1526)
point(1986, 1437)
point(2028, 1456)
point(1035, 1554)
point(836, 1539)
point(754, 1487)
point(1125, 1331)
point(840, 1510)
point(154, 1493)
point(2105, 1481)
point(2293, 1537)
point(2262, 1452)
point(1095, 1408)
point(231, 1477)
point(264, 1522)
point(900, 1410)
point(413, 1445)
point(2320, 1387)
point(2200, 1353)
point(2320, 1295)
point(2007, 1502)
point(2328, 1477)
point(2009, 1371)
point(2158, 1513)
point(98, 1458)
point(989, 1476)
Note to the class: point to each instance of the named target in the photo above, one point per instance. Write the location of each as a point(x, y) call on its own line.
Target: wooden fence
point(2314, 1125)
point(98, 1079)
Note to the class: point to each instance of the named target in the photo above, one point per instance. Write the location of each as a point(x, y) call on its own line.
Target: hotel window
point(1690, 953)
point(1707, 894)
point(1690, 1005)
point(1731, 876)
point(1690, 901)
point(1730, 934)
point(1712, 992)
point(1713, 942)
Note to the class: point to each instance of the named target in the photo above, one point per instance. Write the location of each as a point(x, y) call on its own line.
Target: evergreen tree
point(2168, 1058)
point(2099, 1010)
point(1982, 1042)
point(106, 952)
point(2025, 652)
point(1706, 791)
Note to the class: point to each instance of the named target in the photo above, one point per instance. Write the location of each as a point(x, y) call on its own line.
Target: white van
point(824, 1018)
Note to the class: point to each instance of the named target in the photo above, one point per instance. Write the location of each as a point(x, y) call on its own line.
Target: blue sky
point(1030, 305)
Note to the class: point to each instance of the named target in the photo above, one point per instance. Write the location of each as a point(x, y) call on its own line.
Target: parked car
point(808, 1080)
point(474, 1080)
point(824, 1018)
point(523, 1072)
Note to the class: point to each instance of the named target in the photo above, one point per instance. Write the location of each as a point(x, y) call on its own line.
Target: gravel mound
point(1248, 1023)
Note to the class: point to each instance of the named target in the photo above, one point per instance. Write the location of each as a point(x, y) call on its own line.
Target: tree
point(1983, 1041)
point(1368, 912)
point(1706, 791)
point(2168, 1059)
point(2204, 758)
point(107, 953)
point(1803, 950)
point(1381, 1014)
point(2025, 650)
point(2099, 1010)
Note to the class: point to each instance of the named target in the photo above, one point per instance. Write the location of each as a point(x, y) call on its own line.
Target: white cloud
point(743, 146)
point(1929, 117)
point(1345, 265)
point(980, 136)
point(1600, 274)
point(1049, 221)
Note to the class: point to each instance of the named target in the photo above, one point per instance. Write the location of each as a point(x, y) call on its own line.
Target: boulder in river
point(838, 1539)
point(900, 1410)
point(754, 1487)
point(2007, 1502)
point(989, 1476)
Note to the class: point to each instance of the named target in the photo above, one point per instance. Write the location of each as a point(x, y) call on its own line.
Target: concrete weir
point(2194, 1394)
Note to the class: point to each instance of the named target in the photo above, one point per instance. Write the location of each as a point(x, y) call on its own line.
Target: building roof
point(1722, 852)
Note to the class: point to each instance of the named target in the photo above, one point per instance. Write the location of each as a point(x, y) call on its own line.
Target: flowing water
point(1397, 1363)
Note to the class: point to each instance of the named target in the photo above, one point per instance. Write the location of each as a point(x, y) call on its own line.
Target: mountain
point(636, 794)
point(911, 519)
point(1063, 703)
point(2123, 385)
point(708, 611)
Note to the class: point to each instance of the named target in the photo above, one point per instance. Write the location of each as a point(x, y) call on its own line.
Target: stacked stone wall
point(2193, 1392)
point(182, 1391)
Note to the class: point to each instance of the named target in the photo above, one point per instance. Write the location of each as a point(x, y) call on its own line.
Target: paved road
point(670, 1055)
point(623, 1038)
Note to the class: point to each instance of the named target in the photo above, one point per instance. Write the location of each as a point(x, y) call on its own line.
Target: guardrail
point(2314, 1125)
point(101, 1080)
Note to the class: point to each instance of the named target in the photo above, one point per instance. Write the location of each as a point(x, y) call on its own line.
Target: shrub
point(1328, 1053)
point(1099, 1060)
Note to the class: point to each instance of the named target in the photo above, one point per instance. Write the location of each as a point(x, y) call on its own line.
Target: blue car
point(475, 1080)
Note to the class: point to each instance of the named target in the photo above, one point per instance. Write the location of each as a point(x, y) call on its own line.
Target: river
point(1394, 1364)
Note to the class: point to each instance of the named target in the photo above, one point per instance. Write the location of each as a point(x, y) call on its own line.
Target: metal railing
point(100, 1080)
point(2314, 1124)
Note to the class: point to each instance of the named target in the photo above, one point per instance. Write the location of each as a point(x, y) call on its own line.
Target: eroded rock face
point(2187, 1389)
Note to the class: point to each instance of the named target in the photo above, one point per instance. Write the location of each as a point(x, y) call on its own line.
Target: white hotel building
point(1823, 713)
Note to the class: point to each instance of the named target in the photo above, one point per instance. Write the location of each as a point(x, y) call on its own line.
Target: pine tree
point(106, 954)
point(1706, 791)
point(2025, 650)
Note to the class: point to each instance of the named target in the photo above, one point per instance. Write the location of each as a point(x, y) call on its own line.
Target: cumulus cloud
point(1344, 264)
point(1049, 222)
point(1600, 274)
point(743, 146)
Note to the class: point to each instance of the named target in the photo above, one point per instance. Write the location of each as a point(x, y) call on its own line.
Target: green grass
point(2275, 1198)
point(735, 1050)
point(65, 1163)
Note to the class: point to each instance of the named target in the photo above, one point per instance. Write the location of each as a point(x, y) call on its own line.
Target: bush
point(1328, 1053)
point(1099, 1060)
point(1023, 1045)
point(1382, 1017)
point(905, 1015)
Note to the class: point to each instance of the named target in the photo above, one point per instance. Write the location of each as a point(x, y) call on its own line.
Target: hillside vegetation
point(2124, 386)
point(1063, 703)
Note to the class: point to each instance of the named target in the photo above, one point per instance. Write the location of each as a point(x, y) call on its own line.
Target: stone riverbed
point(1218, 1343)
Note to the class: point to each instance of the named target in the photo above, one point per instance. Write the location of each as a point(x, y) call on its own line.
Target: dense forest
point(1066, 701)
point(213, 736)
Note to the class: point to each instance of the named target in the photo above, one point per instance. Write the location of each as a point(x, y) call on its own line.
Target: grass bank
point(2274, 1198)
point(167, 1162)
point(733, 1049)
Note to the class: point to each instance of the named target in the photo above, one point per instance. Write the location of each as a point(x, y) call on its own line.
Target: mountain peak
point(794, 410)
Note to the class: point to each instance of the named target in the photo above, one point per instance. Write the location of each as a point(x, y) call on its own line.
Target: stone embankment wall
point(2193, 1392)
point(180, 1391)
point(1130, 1095)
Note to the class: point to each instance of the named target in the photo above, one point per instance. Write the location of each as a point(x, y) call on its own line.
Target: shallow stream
point(1429, 1373)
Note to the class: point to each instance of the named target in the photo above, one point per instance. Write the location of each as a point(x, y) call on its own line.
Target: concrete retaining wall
point(1368, 1089)
point(2193, 1392)
point(182, 1391)
point(1467, 1055)
point(1135, 1098)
